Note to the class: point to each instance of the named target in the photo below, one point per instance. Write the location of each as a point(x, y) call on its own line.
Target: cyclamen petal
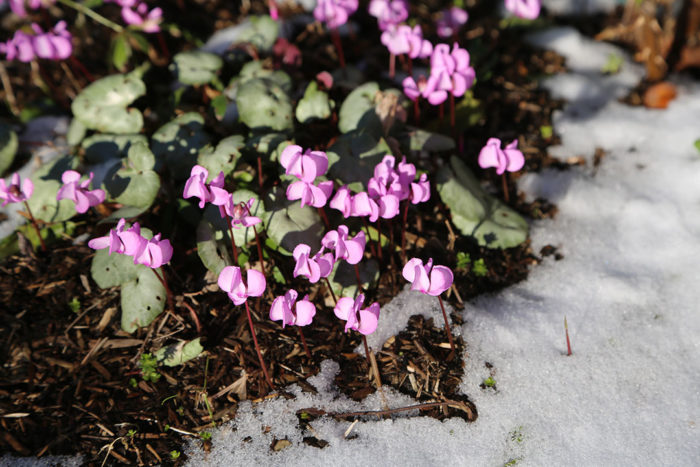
point(305, 312)
point(527, 9)
point(342, 201)
point(441, 279)
point(426, 278)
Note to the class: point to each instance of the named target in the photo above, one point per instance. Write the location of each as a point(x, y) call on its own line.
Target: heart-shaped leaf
point(113, 270)
point(177, 144)
point(354, 155)
point(196, 67)
point(179, 353)
point(8, 147)
point(102, 105)
point(134, 183)
point(213, 243)
point(416, 139)
point(288, 224)
point(223, 157)
point(47, 181)
point(314, 105)
point(343, 279)
point(142, 300)
point(100, 148)
point(263, 104)
point(475, 212)
point(358, 111)
point(262, 32)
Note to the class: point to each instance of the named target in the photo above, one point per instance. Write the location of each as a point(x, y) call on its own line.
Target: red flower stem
point(303, 342)
point(379, 239)
point(447, 329)
point(416, 111)
point(357, 275)
point(392, 65)
point(568, 342)
point(364, 341)
point(79, 65)
point(260, 180)
point(505, 186)
point(322, 213)
point(233, 241)
point(452, 116)
point(257, 347)
point(260, 252)
point(36, 226)
point(403, 230)
point(335, 36)
point(330, 289)
point(369, 237)
point(410, 65)
point(168, 294)
point(163, 46)
point(194, 317)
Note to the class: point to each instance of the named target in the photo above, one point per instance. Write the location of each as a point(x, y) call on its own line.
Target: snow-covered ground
point(628, 285)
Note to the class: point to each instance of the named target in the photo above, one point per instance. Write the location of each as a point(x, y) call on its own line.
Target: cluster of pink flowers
point(78, 192)
point(385, 190)
point(389, 13)
point(12, 193)
point(18, 7)
point(136, 13)
point(528, 9)
point(450, 21)
point(450, 73)
point(404, 39)
point(510, 159)
point(152, 253)
point(214, 193)
point(306, 166)
point(52, 45)
point(334, 13)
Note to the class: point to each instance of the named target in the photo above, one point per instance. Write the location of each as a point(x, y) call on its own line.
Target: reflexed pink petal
point(70, 176)
point(280, 311)
point(82, 204)
point(342, 201)
point(305, 311)
point(42, 46)
point(488, 156)
point(66, 192)
point(420, 192)
point(62, 47)
point(441, 279)
point(515, 157)
point(410, 88)
point(388, 206)
point(459, 85)
point(344, 308)
point(319, 159)
point(409, 269)
point(99, 243)
point(256, 283)
point(356, 248)
point(369, 318)
point(296, 190)
point(133, 242)
point(326, 188)
point(291, 159)
point(325, 264)
point(229, 278)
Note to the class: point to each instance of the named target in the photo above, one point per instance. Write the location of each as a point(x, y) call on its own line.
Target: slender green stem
point(95, 16)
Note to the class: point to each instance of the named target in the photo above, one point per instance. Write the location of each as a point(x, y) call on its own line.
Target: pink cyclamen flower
point(52, 45)
point(305, 165)
point(364, 320)
point(510, 158)
point(292, 312)
point(127, 242)
point(78, 192)
point(155, 253)
point(314, 268)
point(196, 186)
point(342, 201)
point(528, 9)
point(449, 72)
point(351, 250)
point(388, 12)
point(308, 193)
point(12, 193)
point(141, 18)
point(19, 47)
point(403, 39)
point(240, 215)
point(385, 206)
point(420, 191)
point(413, 89)
point(334, 13)
point(418, 47)
point(18, 6)
point(231, 281)
point(428, 279)
point(450, 21)
point(274, 12)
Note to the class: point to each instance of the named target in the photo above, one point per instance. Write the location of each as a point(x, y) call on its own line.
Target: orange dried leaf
point(659, 95)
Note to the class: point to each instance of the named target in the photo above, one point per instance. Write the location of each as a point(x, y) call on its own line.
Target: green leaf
point(358, 111)
point(8, 147)
point(263, 104)
point(255, 69)
point(314, 105)
point(219, 104)
point(196, 67)
point(288, 224)
point(100, 147)
point(224, 157)
point(245, 235)
point(76, 132)
point(102, 105)
point(613, 64)
point(142, 300)
point(262, 32)
point(475, 212)
point(212, 241)
point(354, 155)
point(177, 143)
point(417, 139)
point(113, 270)
point(343, 279)
point(267, 144)
point(697, 144)
point(179, 353)
point(47, 181)
point(134, 183)
point(121, 51)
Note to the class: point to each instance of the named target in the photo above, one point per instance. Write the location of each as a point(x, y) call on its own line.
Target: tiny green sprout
point(74, 305)
point(613, 65)
point(463, 259)
point(517, 435)
point(278, 276)
point(480, 268)
point(546, 131)
point(304, 416)
point(697, 144)
point(131, 433)
point(511, 463)
point(180, 411)
point(489, 382)
point(133, 383)
point(149, 368)
point(166, 427)
point(174, 454)
point(205, 435)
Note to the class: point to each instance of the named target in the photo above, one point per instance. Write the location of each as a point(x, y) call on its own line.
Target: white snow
point(628, 286)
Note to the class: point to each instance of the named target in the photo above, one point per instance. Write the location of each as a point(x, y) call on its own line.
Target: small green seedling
point(546, 131)
point(489, 382)
point(479, 268)
point(74, 305)
point(174, 454)
point(205, 435)
point(697, 144)
point(463, 259)
point(149, 365)
point(131, 433)
point(133, 383)
point(613, 65)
